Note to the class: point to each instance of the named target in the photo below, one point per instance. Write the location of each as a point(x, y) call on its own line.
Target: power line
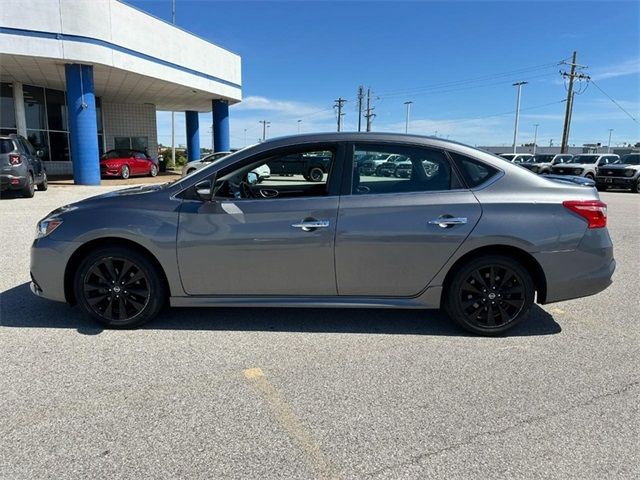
point(616, 103)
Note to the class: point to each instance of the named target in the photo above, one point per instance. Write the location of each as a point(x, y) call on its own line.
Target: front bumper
point(622, 182)
point(48, 263)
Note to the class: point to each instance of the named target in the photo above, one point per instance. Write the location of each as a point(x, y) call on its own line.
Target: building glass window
point(40, 141)
point(56, 110)
point(34, 107)
point(7, 108)
point(131, 143)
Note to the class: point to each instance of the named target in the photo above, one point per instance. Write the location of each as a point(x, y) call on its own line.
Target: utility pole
point(369, 115)
point(173, 114)
point(406, 119)
point(360, 97)
point(564, 146)
point(264, 129)
point(515, 129)
point(338, 106)
point(609, 144)
point(299, 122)
point(535, 137)
point(245, 137)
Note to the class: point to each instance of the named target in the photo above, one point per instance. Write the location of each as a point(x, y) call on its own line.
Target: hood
point(126, 192)
point(621, 166)
point(575, 165)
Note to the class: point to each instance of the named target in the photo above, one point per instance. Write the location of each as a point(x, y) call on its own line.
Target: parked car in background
point(388, 168)
point(517, 157)
point(21, 167)
point(469, 243)
point(371, 161)
point(542, 163)
point(125, 163)
point(312, 166)
point(191, 167)
point(585, 164)
point(625, 174)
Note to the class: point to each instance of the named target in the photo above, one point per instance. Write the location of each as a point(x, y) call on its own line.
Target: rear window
point(6, 145)
point(473, 172)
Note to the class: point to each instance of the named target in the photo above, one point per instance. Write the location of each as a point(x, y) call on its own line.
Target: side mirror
point(252, 178)
point(203, 190)
point(40, 153)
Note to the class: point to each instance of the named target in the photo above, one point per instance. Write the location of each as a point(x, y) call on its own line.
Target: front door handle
point(311, 225)
point(447, 221)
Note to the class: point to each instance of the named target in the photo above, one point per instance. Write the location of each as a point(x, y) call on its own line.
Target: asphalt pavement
point(297, 393)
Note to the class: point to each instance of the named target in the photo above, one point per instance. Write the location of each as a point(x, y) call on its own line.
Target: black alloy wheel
point(119, 287)
point(490, 295)
point(44, 185)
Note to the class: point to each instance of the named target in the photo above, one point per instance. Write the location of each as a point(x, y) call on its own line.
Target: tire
point(125, 172)
point(589, 176)
point(44, 185)
point(154, 170)
point(602, 188)
point(379, 172)
point(140, 296)
point(471, 284)
point(315, 174)
point(30, 188)
point(637, 189)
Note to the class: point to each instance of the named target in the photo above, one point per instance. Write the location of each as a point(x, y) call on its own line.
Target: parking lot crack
point(417, 459)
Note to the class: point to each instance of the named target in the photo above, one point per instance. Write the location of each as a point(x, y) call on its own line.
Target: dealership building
point(78, 78)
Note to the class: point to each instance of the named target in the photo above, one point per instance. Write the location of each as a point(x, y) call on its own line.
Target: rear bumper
point(585, 271)
point(12, 182)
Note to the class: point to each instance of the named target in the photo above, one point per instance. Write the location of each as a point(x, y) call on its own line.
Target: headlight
point(577, 171)
point(629, 173)
point(46, 226)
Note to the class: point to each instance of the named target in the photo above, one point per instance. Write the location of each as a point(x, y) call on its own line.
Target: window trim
point(347, 181)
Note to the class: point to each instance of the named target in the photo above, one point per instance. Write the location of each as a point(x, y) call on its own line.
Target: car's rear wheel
point(28, 191)
point(125, 172)
point(44, 184)
point(489, 295)
point(154, 170)
point(315, 174)
point(637, 189)
point(119, 287)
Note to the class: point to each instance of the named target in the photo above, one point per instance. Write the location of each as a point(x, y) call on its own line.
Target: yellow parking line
point(290, 422)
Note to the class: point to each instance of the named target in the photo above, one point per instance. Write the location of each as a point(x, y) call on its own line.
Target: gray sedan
point(473, 234)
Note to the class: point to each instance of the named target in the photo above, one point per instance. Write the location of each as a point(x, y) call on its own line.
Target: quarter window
point(395, 169)
point(473, 172)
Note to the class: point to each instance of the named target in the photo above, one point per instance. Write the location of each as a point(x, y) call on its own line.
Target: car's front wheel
point(119, 287)
point(489, 295)
point(315, 174)
point(154, 170)
point(125, 172)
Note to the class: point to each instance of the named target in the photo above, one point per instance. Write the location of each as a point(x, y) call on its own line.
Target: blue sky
point(455, 60)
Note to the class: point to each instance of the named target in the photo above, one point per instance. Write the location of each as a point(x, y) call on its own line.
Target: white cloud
point(628, 67)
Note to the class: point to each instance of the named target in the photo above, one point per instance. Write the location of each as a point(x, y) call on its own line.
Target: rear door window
point(6, 145)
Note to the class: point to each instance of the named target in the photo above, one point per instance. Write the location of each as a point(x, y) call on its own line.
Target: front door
point(275, 237)
point(395, 233)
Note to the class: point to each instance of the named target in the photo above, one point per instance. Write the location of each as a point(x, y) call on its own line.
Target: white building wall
point(130, 120)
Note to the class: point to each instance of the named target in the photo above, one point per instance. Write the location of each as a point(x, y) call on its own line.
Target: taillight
point(14, 159)
point(593, 211)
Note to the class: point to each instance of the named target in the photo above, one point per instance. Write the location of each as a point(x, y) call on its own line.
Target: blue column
point(83, 128)
point(220, 125)
point(193, 135)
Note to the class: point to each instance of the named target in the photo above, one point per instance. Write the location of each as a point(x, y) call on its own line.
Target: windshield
point(583, 159)
point(543, 158)
point(508, 156)
point(214, 157)
point(631, 159)
point(208, 167)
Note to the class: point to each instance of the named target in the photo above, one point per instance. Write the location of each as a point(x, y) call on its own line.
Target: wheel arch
point(521, 256)
point(85, 249)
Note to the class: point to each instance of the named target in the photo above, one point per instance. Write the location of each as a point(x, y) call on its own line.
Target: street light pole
point(173, 114)
point(406, 121)
point(535, 137)
point(515, 130)
point(299, 122)
point(609, 144)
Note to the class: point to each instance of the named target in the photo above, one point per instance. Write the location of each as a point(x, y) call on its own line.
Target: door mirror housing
point(40, 153)
point(252, 178)
point(203, 190)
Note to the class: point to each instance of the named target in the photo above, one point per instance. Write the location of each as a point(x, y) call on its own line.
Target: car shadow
point(19, 308)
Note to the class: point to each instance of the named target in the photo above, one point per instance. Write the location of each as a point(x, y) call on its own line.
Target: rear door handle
point(311, 225)
point(446, 221)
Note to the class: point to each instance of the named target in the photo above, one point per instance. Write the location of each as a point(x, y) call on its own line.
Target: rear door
point(395, 234)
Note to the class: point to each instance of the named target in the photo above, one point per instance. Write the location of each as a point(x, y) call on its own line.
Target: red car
point(127, 163)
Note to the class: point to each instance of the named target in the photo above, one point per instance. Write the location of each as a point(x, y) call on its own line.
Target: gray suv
point(625, 174)
point(21, 168)
point(585, 165)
